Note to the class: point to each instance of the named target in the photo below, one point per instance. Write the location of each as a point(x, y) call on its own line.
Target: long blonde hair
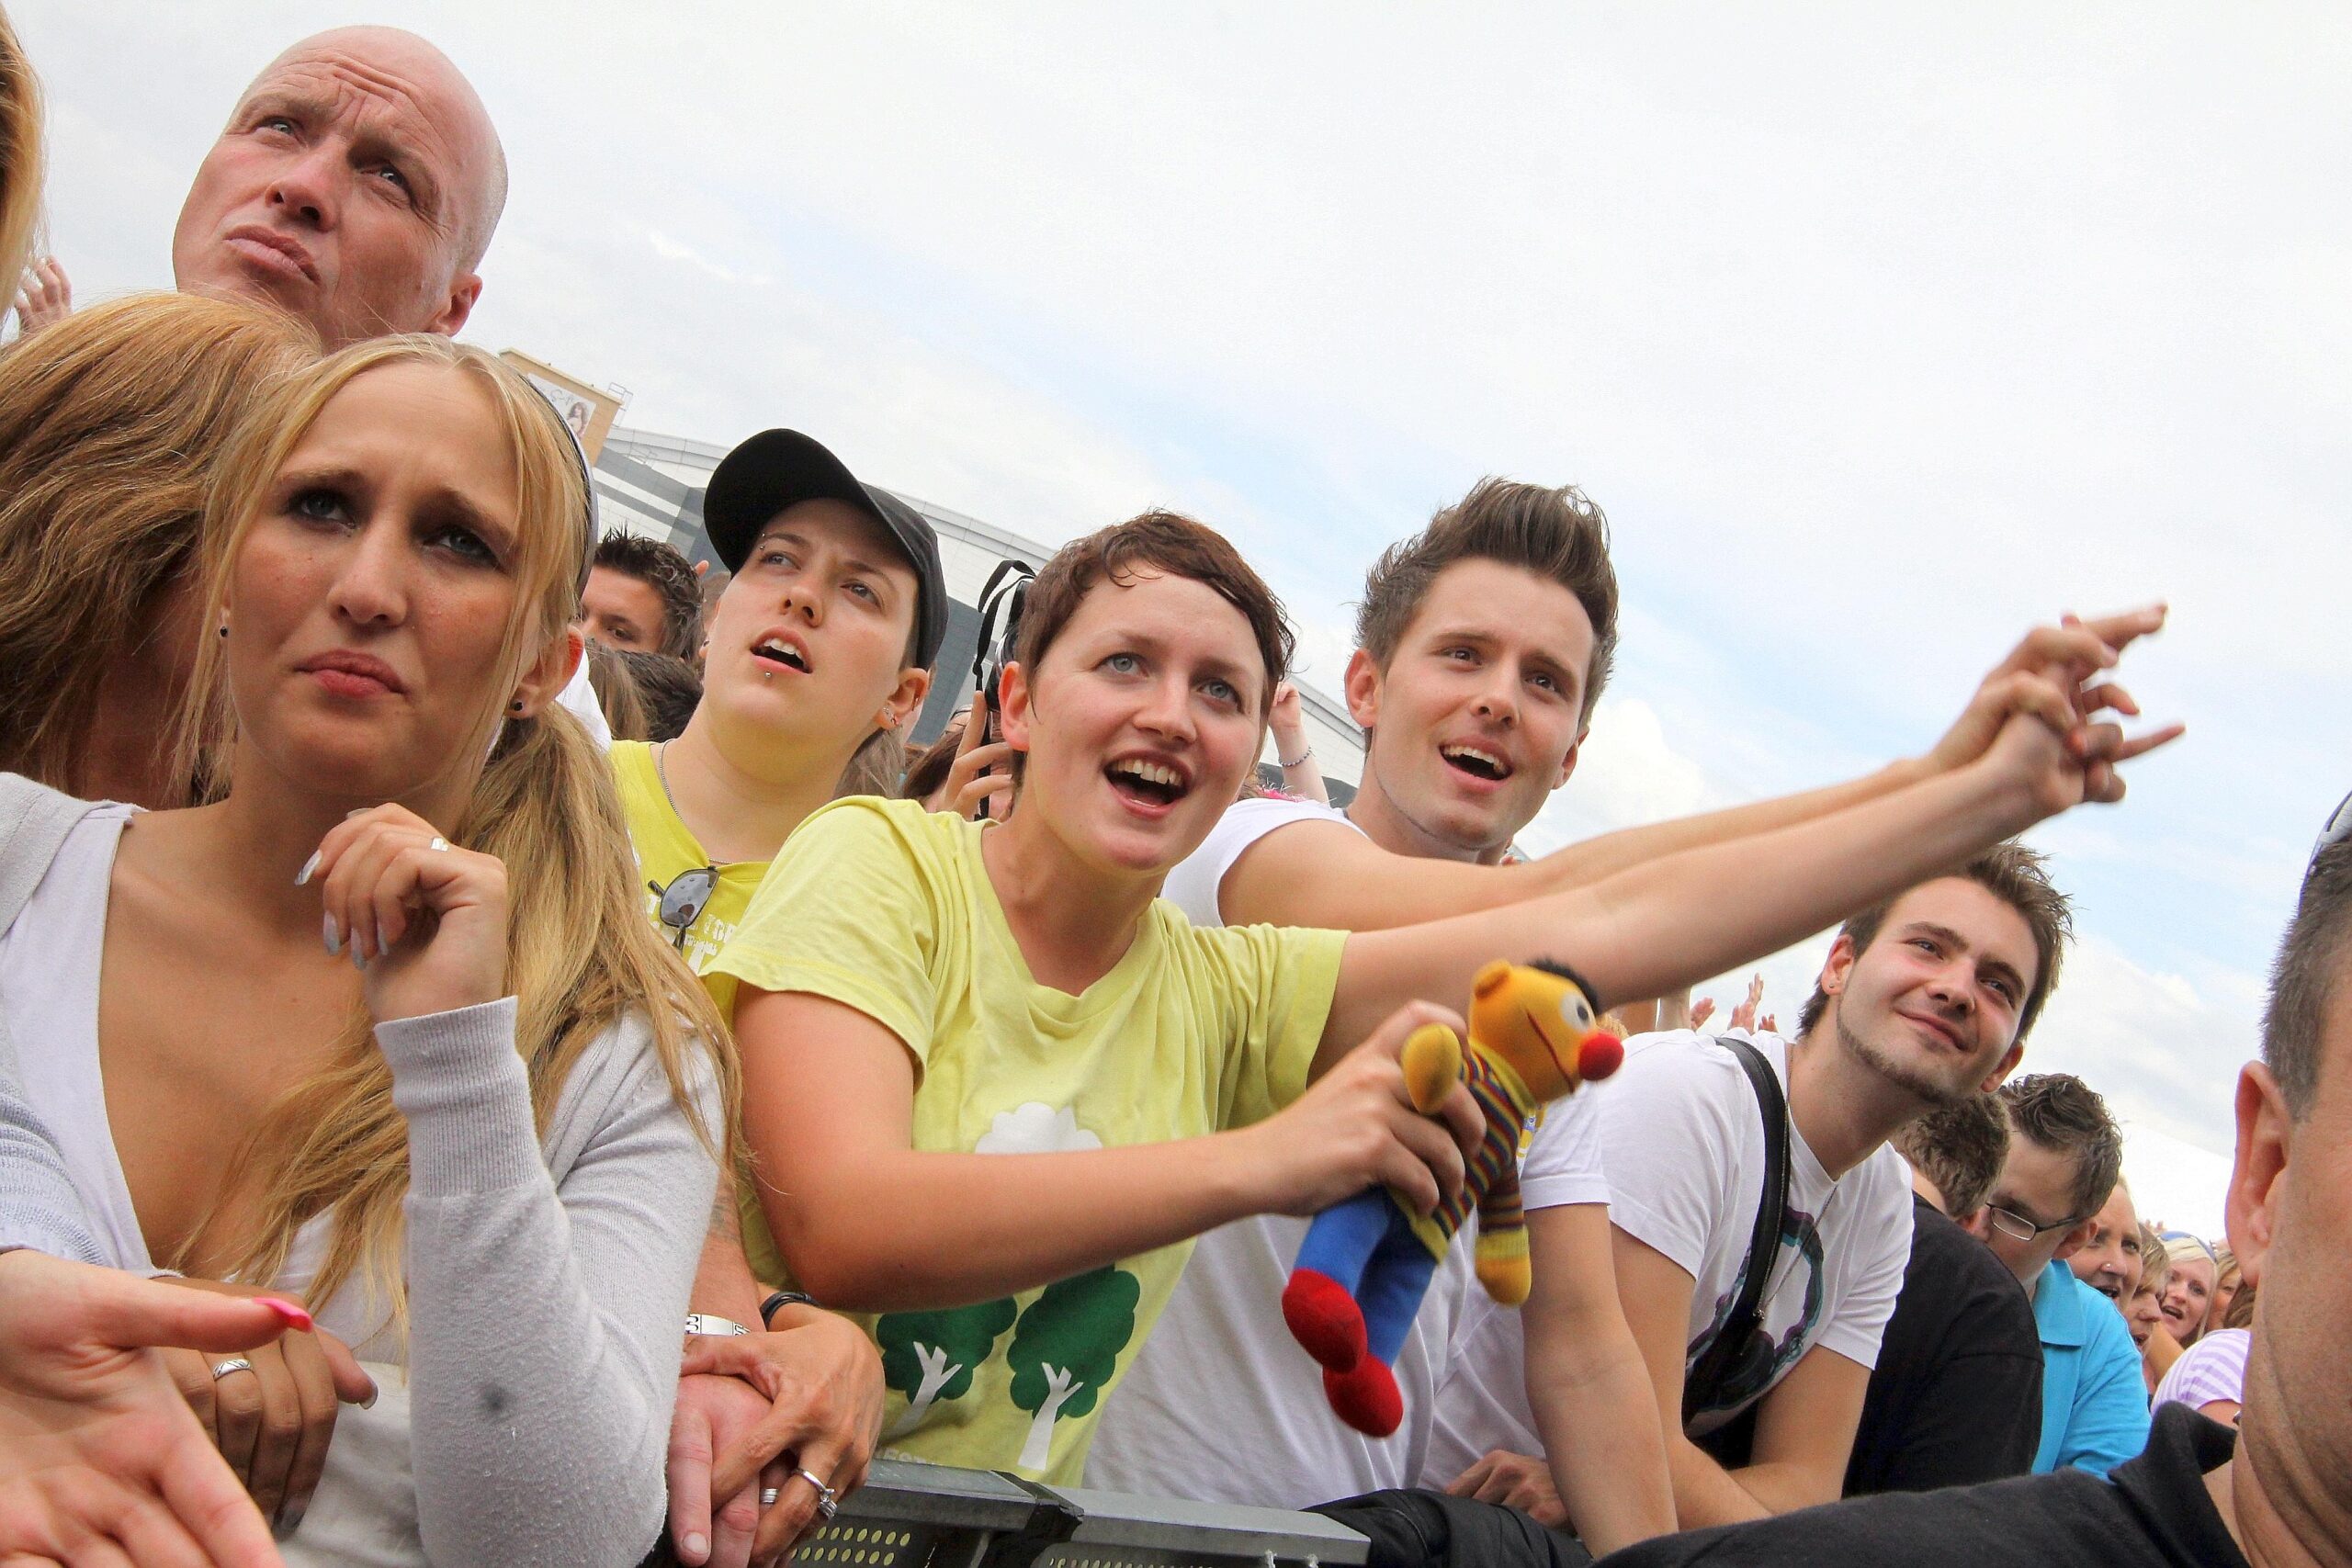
point(580, 951)
point(111, 422)
point(20, 156)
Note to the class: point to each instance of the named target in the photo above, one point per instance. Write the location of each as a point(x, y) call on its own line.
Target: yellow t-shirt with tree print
point(884, 908)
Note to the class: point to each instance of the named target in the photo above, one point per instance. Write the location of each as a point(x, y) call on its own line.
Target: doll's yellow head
point(1545, 1022)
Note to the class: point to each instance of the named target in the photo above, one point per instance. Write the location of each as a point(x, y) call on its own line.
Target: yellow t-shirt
point(887, 909)
point(667, 850)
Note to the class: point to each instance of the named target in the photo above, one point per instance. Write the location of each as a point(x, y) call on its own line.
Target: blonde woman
point(111, 423)
point(383, 1025)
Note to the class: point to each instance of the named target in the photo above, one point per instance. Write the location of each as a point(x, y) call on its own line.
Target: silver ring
point(767, 1496)
point(234, 1364)
point(828, 1502)
point(438, 844)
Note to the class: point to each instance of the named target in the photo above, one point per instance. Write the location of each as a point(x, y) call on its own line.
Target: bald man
point(356, 186)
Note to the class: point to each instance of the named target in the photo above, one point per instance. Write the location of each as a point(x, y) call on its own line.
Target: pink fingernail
point(294, 1318)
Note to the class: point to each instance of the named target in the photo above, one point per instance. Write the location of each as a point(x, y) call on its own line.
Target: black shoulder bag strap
point(1732, 1341)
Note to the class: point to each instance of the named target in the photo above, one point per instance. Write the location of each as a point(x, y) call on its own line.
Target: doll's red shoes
point(1325, 1319)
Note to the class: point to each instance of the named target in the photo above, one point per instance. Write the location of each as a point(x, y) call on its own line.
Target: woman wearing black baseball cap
point(819, 645)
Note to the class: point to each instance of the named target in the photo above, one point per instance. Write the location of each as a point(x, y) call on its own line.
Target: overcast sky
point(1881, 334)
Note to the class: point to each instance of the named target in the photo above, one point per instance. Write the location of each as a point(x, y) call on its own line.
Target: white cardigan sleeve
point(545, 1317)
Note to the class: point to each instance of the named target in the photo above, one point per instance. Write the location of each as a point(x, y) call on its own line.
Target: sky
point(1881, 334)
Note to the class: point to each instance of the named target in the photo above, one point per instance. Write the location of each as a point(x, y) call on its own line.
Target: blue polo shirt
point(2094, 1400)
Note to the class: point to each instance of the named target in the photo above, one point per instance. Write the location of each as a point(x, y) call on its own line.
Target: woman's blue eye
point(1222, 690)
point(863, 592)
point(1122, 664)
point(319, 506)
point(463, 542)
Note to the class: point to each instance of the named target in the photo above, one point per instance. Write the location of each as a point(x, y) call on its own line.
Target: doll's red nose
point(1599, 1055)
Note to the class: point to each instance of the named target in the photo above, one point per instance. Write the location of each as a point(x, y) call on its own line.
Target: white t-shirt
point(1221, 1404)
point(1682, 1141)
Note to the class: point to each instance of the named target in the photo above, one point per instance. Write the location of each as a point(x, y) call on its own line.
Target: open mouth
point(775, 652)
point(1148, 783)
point(2112, 1292)
point(1476, 761)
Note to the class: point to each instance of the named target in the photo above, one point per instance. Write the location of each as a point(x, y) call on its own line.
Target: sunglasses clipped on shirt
point(684, 900)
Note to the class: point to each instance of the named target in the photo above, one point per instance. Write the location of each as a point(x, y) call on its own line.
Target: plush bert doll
point(1535, 1036)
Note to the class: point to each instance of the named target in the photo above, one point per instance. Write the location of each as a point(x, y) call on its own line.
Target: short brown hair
point(1555, 533)
point(2060, 1113)
point(1163, 543)
point(669, 687)
point(2303, 980)
point(1961, 1147)
point(671, 576)
point(2019, 877)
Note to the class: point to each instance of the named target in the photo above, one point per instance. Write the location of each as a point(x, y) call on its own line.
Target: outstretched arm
point(1668, 924)
point(1319, 874)
point(870, 1224)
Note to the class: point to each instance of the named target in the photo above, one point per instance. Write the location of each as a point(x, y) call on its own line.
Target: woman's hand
point(2048, 673)
point(982, 771)
point(273, 1423)
point(822, 1379)
point(422, 920)
point(99, 1459)
point(1355, 1127)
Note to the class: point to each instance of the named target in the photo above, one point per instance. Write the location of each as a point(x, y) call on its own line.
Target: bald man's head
point(356, 186)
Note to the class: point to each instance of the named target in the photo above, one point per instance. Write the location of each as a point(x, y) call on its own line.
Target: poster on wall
point(590, 410)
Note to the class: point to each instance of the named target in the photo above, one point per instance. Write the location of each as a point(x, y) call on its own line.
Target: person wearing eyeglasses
point(2065, 1155)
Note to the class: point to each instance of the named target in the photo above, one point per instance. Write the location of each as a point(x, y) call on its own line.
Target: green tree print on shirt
point(929, 1355)
point(1065, 1348)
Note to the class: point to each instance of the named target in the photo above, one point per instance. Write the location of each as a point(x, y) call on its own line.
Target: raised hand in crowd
point(2054, 672)
point(979, 781)
point(1301, 775)
point(1744, 1015)
point(1701, 1010)
point(100, 1458)
point(44, 298)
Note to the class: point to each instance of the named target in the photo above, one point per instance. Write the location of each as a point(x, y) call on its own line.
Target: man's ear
point(1977, 1222)
point(2076, 1239)
point(899, 712)
point(548, 674)
point(450, 320)
point(1838, 966)
point(2004, 1067)
point(2258, 1177)
point(1360, 686)
point(1013, 706)
point(1568, 762)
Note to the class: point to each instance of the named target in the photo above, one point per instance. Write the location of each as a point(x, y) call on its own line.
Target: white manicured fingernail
point(302, 877)
point(333, 935)
point(695, 1544)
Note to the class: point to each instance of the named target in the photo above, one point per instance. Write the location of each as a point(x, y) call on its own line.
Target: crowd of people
point(505, 1057)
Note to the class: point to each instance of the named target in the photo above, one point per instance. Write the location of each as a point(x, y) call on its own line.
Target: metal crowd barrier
point(925, 1516)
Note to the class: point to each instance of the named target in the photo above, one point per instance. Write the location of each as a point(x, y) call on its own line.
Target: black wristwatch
point(783, 1298)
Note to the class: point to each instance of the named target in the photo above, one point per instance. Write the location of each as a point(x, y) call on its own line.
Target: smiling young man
point(2064, 1154)
point(1924, 999)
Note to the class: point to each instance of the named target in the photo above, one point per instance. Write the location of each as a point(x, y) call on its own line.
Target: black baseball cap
point(779, 469)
